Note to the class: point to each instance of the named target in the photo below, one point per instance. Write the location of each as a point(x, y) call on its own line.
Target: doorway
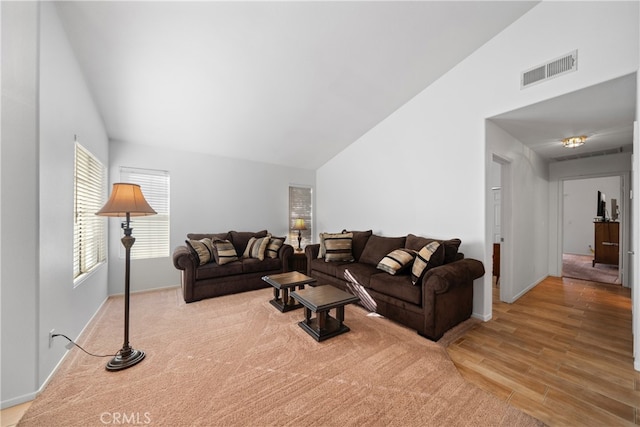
point(590, 247)
point(499, 198)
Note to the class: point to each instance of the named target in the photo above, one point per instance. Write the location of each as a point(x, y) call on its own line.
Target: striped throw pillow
point(338, 246)
point(203, 249)
point(323, 251)
point(257, 247)
point(274, 246)
point(224, 252)
point(397, 260)
point(431, 255)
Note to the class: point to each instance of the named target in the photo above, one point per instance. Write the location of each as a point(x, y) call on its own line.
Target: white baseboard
point(18, 400)
point(147, 290)
point(484, 318)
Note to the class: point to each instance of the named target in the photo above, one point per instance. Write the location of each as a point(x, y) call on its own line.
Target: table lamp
point(299, 225)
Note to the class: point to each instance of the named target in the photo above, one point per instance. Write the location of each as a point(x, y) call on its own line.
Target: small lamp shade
point(299, 224)
point(126, 199)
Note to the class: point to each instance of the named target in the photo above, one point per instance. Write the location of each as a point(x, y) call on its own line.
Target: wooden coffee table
point(285, 282)
point(321, 299)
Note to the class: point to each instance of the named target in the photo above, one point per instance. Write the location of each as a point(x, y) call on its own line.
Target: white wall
point(422, 170)
point(209, 194)
point(38, 292)
point(19, 195)
point(524, 228)
point(66, 109)
point(580, 207)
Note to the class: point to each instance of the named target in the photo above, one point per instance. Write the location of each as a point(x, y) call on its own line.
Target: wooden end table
point(321, 299)
point(285, 282)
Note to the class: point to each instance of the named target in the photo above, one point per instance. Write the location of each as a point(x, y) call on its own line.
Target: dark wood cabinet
point(607, 243)
point(496, 262)
point(298, 262)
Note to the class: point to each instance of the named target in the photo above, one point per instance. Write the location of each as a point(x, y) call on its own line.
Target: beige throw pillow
point(431, 255)
point(397, 260)
point(224, 252)
point(275, 243)
point(338, 246)
point(257, 247)
point(202, 248)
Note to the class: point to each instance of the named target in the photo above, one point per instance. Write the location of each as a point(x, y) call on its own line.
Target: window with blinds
point(89, 195)
point(300, 208)
point(151, 232)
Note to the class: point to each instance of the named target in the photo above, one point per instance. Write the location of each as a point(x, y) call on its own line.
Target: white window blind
point(151, 232)
point(300, 207)
point(89, 195)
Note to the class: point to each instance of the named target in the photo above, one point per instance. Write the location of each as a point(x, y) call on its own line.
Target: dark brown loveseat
point(212, 279)
point(441, 299)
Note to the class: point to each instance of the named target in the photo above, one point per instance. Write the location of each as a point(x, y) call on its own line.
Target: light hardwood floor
point(561, 353)
point(11, 416)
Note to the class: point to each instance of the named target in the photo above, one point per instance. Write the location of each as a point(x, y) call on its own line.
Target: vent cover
point(592, 154)
point(557, 67)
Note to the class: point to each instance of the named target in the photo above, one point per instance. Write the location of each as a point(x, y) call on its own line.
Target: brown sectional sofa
point(440, 300)
point(212, 280)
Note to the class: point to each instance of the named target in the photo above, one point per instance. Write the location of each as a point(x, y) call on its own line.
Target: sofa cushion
point(431, 255)
point(212, 270)
point(256, 247)
point(398, 286)
point(241, 238)
point(377, 247)
point(275, 243)
point(214, 236)
point(361, 272)
point(397, 260)
point(224, 252)
point(254, 265)
point(329, 268)
point(338, 247)
point(451, 246)
point(202, 249)
point(360, 239)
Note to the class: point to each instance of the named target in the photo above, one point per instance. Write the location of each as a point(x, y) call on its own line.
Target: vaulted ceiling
point(288, 83)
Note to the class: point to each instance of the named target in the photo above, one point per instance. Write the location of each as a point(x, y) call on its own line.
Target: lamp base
point(123, 362)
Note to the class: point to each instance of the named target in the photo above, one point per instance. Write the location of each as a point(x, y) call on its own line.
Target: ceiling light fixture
point(574, 141)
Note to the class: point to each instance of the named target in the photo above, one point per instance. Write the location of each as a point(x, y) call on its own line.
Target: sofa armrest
point(440, 279)
point(285, 253)
point(447, 296)
point(183, 259)
point(312, 251)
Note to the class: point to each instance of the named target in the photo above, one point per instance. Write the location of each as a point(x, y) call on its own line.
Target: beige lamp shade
point(299, 224)
point(126, 199)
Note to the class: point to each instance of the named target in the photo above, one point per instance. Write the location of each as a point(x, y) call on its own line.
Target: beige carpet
point(580, 267)
point(237, 361)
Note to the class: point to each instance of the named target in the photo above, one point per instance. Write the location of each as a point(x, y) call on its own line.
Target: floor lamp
point(126, 201)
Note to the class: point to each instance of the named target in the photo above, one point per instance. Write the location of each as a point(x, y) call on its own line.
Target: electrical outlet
point(51, 337)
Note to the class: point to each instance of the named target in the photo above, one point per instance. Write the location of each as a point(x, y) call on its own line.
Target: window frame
point(89, 195)
point(156, 188)
point(304, 212)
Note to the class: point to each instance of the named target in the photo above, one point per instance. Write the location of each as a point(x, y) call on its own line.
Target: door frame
point(624, 273)
point(506, 259)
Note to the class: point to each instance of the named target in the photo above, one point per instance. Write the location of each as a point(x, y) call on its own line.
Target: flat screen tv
point(602, 206)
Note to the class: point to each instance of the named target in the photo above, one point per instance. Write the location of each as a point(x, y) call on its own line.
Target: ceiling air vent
point(557, 67)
